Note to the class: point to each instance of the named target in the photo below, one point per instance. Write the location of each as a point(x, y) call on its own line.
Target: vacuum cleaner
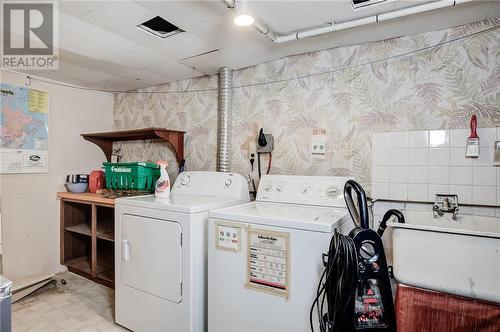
point(354, 292)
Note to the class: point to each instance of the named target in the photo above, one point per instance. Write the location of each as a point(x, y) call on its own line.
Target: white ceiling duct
point(333, 26)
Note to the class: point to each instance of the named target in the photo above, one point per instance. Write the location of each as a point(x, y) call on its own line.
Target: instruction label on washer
point(227, 236)
point(268, 261)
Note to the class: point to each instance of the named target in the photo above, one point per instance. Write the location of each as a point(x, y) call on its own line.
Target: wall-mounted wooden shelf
point(105, 140)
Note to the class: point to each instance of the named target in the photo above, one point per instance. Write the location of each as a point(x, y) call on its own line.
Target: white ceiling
point(100, 46)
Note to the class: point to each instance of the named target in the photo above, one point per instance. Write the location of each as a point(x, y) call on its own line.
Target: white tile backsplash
point(380, 157)
point(418, 174)
point(464, 194)
point(398, 191)
point(380, 190)
point(398, 156)
point(485, 157)
point(439, 175)
point(484, 176)
point(461, 176)
point(419, 156)
point(417, 192)
point(487, 136)
point(459, 138)
point(416, 165)
point(439, 156)
point(398, 174)
point(484, 195)
point(439, 138)
point(398, 140)
point(418, 139)
point(437, 189)
point(457, 157)
point(380, 174)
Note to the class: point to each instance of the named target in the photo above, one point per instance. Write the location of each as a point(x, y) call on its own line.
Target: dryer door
point(151, 256)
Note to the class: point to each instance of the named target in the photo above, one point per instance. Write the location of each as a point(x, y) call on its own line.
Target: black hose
point(383, 224)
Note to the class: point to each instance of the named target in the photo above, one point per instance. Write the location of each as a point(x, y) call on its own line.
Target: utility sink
point(460, 257)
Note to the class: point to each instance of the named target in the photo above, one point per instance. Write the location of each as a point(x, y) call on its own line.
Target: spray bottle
point(162, 187)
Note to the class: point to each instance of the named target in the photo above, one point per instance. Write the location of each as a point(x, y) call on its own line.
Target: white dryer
point(265, 257)
point(160, 252)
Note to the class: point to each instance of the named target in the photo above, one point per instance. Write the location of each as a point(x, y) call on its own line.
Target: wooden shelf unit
point(105, 140)
point(87, 236)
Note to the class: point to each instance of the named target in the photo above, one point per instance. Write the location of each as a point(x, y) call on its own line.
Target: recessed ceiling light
point(244, 20)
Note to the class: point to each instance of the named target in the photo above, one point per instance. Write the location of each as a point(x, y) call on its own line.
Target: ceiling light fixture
point(244, 17)
point(244, 20)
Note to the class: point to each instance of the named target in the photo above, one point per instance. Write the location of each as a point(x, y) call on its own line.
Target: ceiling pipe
point(332, 26)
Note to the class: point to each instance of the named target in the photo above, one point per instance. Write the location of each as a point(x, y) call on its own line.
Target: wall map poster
point(24, 130)
point(268, 262)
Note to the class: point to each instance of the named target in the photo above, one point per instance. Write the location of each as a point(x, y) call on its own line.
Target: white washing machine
point(160, 252)
point(265, 257)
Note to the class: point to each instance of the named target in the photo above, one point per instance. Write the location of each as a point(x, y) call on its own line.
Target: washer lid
point(183, 203)
point(306, 217)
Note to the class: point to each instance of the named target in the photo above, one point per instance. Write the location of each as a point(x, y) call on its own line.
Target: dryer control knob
point(268, 187)
point(185, 180)
point(228, 182)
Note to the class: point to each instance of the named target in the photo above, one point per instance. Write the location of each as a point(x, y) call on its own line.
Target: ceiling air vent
point(160, 27)
point(363, 3)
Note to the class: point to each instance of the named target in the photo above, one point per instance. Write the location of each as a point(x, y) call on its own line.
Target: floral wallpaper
point(426, 81)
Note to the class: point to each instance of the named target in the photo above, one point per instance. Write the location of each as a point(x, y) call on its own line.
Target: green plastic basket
point(131, 176)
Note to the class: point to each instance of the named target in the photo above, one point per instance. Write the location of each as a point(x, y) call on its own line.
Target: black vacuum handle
point(361, 217)
point(383, 224)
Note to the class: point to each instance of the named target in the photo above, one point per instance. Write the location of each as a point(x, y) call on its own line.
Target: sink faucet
point(445, 204)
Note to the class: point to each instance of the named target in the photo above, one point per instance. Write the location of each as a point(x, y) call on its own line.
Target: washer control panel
point(313, 190)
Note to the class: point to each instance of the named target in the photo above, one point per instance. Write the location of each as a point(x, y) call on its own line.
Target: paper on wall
point(24, 130)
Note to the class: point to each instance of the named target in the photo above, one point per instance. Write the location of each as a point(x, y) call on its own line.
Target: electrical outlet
point(269, 147)
point(253, 148)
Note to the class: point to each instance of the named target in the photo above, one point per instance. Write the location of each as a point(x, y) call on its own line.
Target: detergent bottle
point(162, 187)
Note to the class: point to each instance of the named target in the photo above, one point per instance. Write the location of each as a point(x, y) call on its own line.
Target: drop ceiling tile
point(219, 31)
point(210, 63)
point(121, 18)
point(174, 70)
point(78, 8)
point(178, 46)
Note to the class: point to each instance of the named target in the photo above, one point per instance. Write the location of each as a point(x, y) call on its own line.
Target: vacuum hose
point(383, 224)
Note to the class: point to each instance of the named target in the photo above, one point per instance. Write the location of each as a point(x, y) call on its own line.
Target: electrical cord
point(337, 286)
point(269, 162)
point(258, 164)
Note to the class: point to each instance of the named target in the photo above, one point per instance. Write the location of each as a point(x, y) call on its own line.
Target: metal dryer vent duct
point(224, 119)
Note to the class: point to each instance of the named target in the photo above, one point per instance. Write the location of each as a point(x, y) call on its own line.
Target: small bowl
point(77, 187)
